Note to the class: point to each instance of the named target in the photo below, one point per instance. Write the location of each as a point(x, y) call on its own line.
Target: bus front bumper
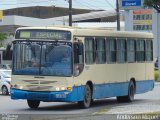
point(55, 96)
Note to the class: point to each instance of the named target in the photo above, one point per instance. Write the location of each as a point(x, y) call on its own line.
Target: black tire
point(131, 93)
point(33, 103)
point(5, 90)
point(86, 103)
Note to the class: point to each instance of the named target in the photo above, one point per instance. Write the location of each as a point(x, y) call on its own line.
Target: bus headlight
point(17, 86)
point(57, 89)
point(20, 87)
point(63, 88)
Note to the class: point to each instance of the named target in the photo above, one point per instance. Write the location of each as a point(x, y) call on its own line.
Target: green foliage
point(153, 3)
point(2, 38)
point(156, 75)
point(148, 2)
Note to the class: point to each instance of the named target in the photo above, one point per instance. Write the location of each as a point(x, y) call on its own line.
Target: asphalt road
point(101, 109)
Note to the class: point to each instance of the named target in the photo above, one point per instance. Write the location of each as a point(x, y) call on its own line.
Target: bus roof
point(77, 31)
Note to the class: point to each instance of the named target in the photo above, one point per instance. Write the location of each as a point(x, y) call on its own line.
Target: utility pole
point(118, 18)
point(70, 12)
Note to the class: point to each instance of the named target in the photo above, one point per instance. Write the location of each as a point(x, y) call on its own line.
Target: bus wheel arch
point(134, 81)
point(86, 102)
point(131, 92)
point(91, 85)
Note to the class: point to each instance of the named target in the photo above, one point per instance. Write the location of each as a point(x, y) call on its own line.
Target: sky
point(84, 4)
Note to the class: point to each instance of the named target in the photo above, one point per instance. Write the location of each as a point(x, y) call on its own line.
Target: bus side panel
point(121, 89)
point(110, 90)
point(144, 86)
point(136, 71)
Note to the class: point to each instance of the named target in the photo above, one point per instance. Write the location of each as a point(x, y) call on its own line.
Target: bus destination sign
point(43, 34)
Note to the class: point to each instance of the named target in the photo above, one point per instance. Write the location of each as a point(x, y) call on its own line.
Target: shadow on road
point(4, 95)
point(105, 103)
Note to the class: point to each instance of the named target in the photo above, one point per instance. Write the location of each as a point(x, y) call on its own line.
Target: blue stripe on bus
point(77, 93)
point(144, 86)
point(121, 89)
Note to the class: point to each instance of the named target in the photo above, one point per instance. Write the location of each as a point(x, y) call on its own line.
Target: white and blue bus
point(66, 64)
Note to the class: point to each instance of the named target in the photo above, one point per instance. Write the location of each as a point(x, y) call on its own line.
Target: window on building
point(100, 50)
point(140, 50)
point(111, 50)
point(89, 50)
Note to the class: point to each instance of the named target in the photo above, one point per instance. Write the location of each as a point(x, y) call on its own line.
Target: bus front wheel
point(33, 103)
point(131, 93)
point(87, 98)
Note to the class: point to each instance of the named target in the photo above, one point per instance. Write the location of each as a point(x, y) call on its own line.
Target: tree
point(153, 3)
point(2, 38)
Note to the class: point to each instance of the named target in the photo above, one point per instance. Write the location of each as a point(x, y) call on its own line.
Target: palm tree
point(2, 38)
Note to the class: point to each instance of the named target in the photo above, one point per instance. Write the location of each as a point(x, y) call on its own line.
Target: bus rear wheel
point(130, 96)
point(33, 103)
point(86, 103)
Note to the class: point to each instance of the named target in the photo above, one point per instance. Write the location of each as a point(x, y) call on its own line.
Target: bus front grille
point(39, 82)
point(38, 88)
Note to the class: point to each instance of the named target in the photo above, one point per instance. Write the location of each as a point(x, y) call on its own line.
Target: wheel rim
point(4, 90)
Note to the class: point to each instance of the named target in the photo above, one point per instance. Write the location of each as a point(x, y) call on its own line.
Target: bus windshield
point(50, 58)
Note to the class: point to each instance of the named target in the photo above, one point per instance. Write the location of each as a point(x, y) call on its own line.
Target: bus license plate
point(60, 95)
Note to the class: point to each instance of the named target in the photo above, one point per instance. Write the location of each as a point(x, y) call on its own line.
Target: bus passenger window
point(140, 50)
point(131, 50)
point(149, 50)
point(100, 51)
point(111, 50)
point(89, 50)
point(121, 50)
